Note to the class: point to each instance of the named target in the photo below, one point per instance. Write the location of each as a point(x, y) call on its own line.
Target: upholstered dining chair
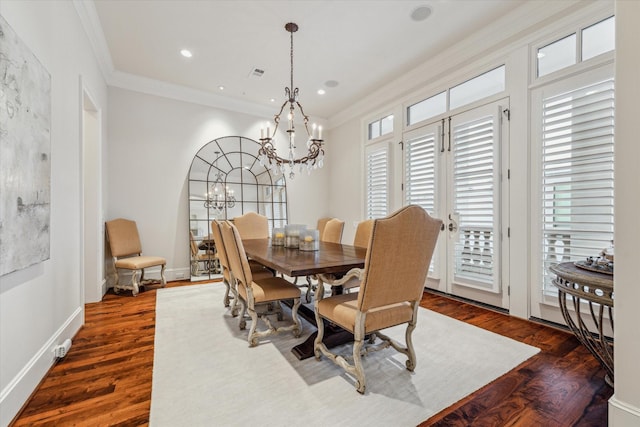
point(252, 292)
point(333, 231)
point(206, 258)
point(330, 230)
point(321, 224)
point(360, 240)
point(252, 226)
point(258, 271)
point(393, 279)
point(126, 250)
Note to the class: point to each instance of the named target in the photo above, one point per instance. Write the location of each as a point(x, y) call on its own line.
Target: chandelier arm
point(315, 151)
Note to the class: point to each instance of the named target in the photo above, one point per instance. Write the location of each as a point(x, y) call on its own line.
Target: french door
point(456, 169)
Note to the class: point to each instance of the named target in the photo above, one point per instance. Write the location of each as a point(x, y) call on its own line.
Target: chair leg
point(297, 328)
point(134, 282)
point(226, 299)
point(236, 298)
point(243, 310)
point(116, 281)
point(163, 279)
point(357, 364)
point(253, 337)
point(411, 353)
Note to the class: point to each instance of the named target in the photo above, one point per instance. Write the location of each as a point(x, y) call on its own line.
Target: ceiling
point(359, 44)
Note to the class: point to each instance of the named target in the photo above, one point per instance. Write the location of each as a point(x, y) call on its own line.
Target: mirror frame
point(255, 188)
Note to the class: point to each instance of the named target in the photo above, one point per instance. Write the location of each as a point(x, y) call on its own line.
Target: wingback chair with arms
point(393, 279)
point(258, 271)
point(126, 250)
point(252, 292)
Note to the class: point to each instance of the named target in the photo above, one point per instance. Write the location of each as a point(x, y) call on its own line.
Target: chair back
point(333, 231)
point(322, 223)
point(221, 250)
point(398, 258)
point(252, 226)
point(236, 255)
point(363, 234)
point(193, 245)
point(123, 237)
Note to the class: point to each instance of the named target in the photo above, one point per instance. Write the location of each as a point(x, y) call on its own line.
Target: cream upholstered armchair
point(393, 279)
point(126, 250)
point(254, 292)
point(258, 271)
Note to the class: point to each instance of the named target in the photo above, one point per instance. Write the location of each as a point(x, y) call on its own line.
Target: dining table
point(331, 261)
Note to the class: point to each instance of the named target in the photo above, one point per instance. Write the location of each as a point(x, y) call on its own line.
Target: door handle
point(453, 225)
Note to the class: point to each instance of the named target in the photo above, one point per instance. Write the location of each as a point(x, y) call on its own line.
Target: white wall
point(152, 141)
point(42, 305)
point(624, 406)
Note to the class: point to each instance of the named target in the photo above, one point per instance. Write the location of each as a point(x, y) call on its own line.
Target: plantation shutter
point(377, 158)
point(420, 171)
point(577, 175)
point(475, 201)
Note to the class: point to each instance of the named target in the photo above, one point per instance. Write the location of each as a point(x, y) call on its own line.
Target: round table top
point(569, 271)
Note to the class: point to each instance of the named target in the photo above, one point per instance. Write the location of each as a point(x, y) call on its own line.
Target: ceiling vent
point(256, 73)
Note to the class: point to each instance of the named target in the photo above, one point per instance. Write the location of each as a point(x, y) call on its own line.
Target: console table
point(596, 290)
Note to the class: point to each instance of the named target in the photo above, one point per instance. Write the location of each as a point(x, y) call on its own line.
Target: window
point(479, 87)
point(557, 55)
point(427, 108)
point(599, 38)
point(594, 40)
point(577, 174)
point(381, 127)
point(377, 161)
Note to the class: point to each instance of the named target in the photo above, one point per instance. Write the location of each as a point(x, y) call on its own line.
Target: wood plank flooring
point(105, 379)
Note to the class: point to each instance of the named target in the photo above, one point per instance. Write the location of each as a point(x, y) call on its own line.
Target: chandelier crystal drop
point(314, 157)
point(219, 195)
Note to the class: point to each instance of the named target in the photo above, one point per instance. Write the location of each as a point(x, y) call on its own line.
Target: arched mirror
point(227, 180)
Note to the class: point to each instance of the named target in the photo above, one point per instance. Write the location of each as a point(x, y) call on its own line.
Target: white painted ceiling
point(360, 44)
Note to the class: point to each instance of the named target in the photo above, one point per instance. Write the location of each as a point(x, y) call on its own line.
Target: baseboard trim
point(16, 394)
point(621, 414)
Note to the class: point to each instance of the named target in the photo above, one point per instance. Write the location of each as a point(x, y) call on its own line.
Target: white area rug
point(204, 373)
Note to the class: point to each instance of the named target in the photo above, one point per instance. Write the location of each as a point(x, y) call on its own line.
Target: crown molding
point(496, 38)
point(86, 10)
point(182, 93)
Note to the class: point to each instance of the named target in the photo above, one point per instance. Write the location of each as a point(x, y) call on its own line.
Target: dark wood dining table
point(330, 260)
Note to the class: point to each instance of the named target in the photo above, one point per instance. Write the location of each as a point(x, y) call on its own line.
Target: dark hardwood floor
point(105, 379)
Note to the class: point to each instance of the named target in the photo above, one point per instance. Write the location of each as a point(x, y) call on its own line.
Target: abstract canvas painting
point(25, 149)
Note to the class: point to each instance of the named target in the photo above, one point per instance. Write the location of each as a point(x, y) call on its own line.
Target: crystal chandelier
point(219, 195)
point(267, 152)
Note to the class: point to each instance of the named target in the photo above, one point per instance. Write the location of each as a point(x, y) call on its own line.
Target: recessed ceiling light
point(321, 92)
point(421, 13)
point(221, 87)
point(272, 100)
point(186, 53)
